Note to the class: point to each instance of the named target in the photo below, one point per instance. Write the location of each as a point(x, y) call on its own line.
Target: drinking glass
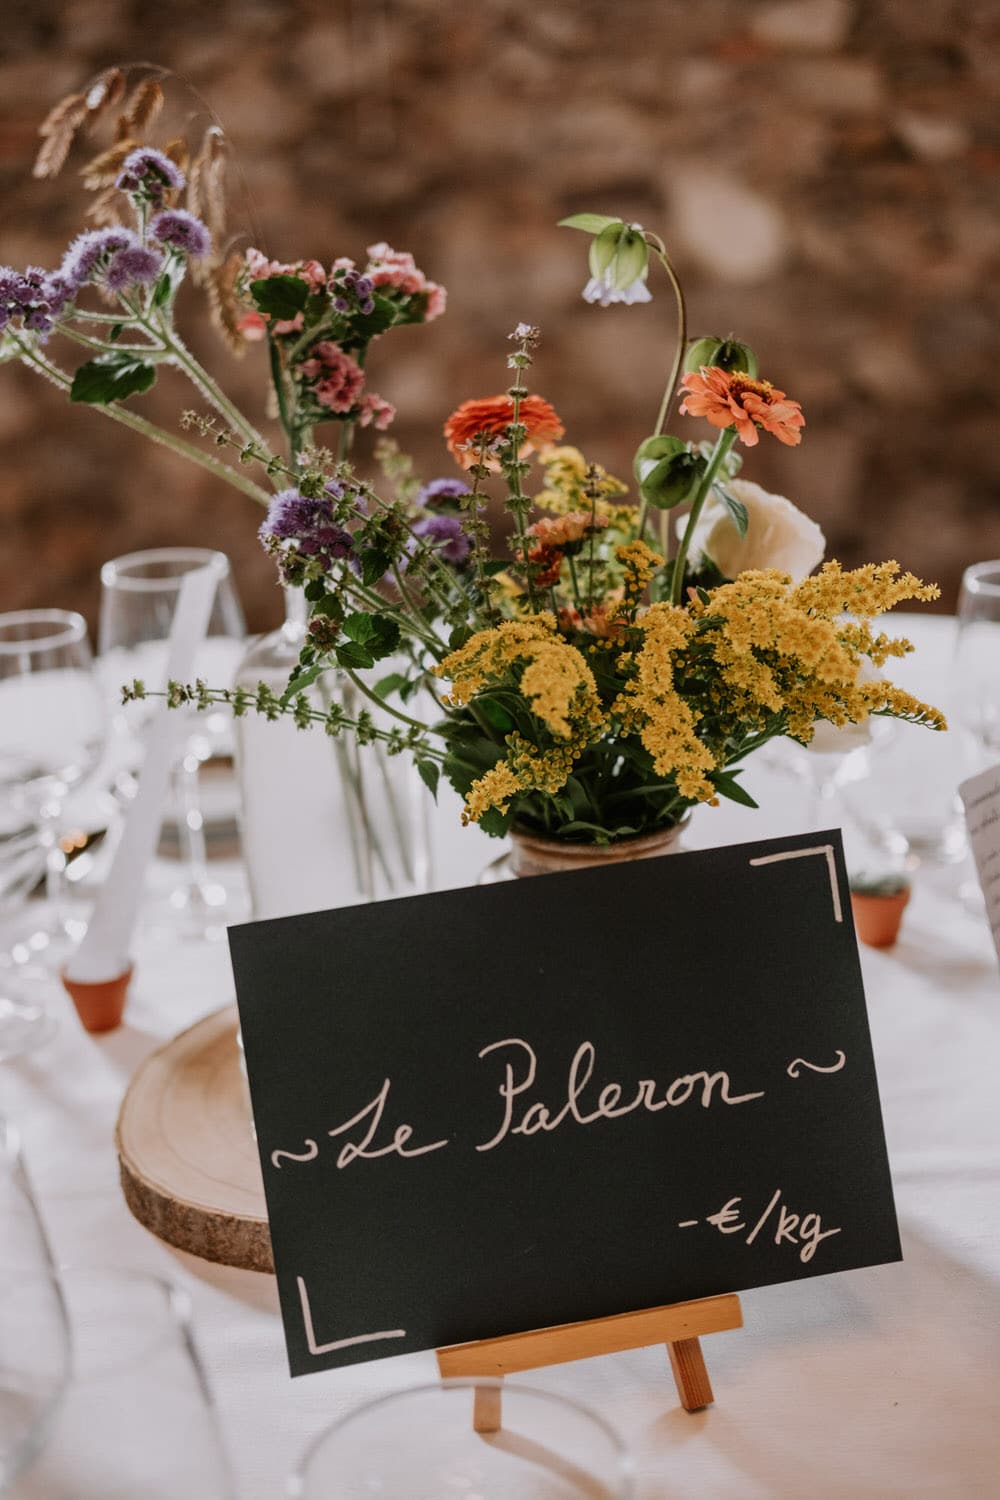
point(138, 597)
point(136, 1419)
point(34, 1335)
point(421, 1443)
point(51, 737)
point(977, 653)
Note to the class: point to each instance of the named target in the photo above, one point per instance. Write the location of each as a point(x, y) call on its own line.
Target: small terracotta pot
point(99, 1006)
point(877, 918)
point(532, 854)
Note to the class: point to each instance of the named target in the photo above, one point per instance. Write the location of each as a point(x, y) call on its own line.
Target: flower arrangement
point(592, 684)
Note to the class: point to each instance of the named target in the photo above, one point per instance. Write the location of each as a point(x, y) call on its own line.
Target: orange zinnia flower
point(731, 399)
point(493, 414)
point(567, 532)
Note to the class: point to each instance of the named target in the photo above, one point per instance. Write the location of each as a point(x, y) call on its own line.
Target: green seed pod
point(725, 354)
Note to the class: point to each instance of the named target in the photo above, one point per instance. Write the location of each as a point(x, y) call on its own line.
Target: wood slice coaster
point(189, 1165)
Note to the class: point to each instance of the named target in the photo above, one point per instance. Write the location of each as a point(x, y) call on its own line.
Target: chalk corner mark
point(826, 851)
point(358, 1338)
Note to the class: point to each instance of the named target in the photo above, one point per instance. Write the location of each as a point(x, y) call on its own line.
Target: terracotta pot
point(532, 854)
point(877, 918)
point(99, 1006)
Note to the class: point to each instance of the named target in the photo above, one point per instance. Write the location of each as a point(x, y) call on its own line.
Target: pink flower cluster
point(339, 379)
point(339, 383)
point(395, 270)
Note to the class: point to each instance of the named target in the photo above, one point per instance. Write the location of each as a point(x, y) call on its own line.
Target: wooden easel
point(679, 1325)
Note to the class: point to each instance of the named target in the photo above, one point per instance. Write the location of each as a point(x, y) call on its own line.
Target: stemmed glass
point(138, 596)
point(34, 1333)
point(52, 725)
point(421, 1443)
point(136, 1418)
point(977, 653)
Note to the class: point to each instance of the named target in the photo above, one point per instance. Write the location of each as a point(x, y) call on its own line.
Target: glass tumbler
point(421, 1444)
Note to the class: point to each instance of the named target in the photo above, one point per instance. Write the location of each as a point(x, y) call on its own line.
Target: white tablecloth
point(876, 1383)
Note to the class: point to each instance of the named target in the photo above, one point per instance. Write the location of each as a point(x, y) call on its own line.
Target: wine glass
point(34, 1333)
point(137, 1417)
point(52, 728)
point(977, 653)
point(138, 597)
point(421, 1443)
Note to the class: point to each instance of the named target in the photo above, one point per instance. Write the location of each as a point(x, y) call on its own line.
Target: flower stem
point(723, 444)
point(675, 370)
point(381, 703)
point(34, 359)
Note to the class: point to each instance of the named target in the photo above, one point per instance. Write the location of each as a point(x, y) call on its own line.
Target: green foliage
point(736, 508)
point(282, 297)
point(589, 223)
point(111, 377)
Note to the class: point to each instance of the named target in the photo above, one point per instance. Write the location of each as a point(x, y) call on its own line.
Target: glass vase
point(325, 822)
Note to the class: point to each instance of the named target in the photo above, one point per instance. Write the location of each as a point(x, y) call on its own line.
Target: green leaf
point(394, 683)
point(354, 656)
point(589, 223)
point(459, 636)
point(496, 717)
point(496, 823)
point(281, 297)
point(374, 566)
point(494, 566)
point(111, 377)
point(736, 509)
point(727, 786)
point(386, 636)
point(369, 325)
point(601, 835)
point(161, 292)
point(299, 681)
point(360, 627)
point(429, 775)
point(314, 590)
point(329, 606)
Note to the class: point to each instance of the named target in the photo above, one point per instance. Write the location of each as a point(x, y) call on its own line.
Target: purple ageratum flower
point(149, 174)
point(181, 231)
point(441, 492)
point(446, 537)
point(134, 266)
point(291, 517)
point(92, 250)
point(353, 291)
point(34, 296)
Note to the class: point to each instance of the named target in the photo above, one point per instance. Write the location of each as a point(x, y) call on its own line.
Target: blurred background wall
point(826, 173)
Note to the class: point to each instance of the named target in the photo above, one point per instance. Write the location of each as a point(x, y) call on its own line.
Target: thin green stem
point(104, 347)
point(723, 444)
point(675, 369)
point(381, 703)
point(573, 581)
point(200, 377)
point(34, 359)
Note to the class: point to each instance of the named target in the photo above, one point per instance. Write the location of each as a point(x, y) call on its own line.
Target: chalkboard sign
point(489, 1110)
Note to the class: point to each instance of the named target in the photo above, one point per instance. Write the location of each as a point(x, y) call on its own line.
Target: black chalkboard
point(572, 1096)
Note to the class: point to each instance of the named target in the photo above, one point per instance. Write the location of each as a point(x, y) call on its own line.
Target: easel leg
point(486, 1409)
point(688, 1364)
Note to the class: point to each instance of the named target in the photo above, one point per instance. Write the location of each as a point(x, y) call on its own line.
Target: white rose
point(778, 534)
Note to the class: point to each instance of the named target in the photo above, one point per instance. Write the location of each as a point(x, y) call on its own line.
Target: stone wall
point(826, 173)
